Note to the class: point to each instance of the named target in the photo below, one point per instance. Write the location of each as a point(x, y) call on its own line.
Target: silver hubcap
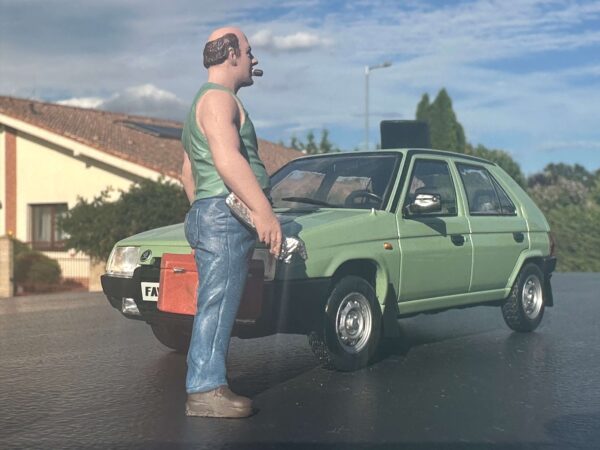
point(531, 297)
point(353, 322)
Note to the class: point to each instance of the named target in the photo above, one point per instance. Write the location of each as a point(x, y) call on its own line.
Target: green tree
point(447, 133)
point(500, 157)
point(595, 189)
point(445, 130)
point(562, 192)
point(569, 196)
point(577, 234)
point(553, 172)
point(311, 147)
point(422, 113)
point(95, 226)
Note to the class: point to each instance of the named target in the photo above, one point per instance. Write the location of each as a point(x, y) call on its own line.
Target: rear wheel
point(171, 337)
point(524, 308)
point(352, 326)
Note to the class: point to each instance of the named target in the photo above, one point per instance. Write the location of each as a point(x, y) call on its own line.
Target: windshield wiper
point(307, 200)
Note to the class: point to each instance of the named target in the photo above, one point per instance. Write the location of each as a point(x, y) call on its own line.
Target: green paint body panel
point(415, 259)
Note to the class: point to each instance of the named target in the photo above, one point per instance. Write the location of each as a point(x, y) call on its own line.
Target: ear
point(232, 56)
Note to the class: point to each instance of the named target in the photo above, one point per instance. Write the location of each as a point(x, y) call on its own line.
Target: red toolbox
point(179, 283)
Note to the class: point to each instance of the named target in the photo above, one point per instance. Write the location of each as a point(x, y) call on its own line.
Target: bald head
point(219, 32)
point(228, 58)
point(220, 42)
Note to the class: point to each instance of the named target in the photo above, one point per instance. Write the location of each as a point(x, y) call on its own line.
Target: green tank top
point(207, 180)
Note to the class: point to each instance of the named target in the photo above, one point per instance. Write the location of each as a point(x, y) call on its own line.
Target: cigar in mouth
point(257, 72)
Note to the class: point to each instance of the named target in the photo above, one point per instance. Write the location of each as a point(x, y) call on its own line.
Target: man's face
point(246, 61)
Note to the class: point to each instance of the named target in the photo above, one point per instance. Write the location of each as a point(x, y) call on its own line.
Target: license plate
point(150, 291)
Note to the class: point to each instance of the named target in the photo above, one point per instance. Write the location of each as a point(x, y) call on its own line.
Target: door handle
point(457, 239)
point(518, 237)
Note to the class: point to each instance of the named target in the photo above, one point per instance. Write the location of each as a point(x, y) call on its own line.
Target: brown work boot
point(219, 402)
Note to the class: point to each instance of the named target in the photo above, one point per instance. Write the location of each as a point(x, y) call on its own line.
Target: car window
point(355, 181)
point(484, 195)
point(506, 204)
point(433, 177)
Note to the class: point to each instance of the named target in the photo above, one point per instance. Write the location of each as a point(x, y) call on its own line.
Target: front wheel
point(351, 330)
point(171, 337)
point(524, 308)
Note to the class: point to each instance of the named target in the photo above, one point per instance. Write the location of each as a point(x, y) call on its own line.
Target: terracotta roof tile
point(109, 132)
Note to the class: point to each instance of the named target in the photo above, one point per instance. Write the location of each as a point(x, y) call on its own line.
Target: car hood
point(303, 223)
point(294, 222)
point(172, 235)
point(333, 227)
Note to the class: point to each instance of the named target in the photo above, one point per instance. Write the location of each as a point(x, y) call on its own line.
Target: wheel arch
point(536, 257)
point(368, 269)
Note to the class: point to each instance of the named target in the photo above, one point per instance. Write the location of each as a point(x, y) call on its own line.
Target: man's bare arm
point(187, 179)
point(218, 118)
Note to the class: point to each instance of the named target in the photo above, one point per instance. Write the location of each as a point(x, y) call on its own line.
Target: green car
point(389, 234)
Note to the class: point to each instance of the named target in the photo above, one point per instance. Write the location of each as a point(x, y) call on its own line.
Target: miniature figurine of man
point(221, 156)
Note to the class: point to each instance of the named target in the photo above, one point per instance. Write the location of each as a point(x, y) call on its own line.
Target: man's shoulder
point(217, 100)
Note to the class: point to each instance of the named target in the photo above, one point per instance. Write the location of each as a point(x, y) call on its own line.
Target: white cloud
point(83, 102)
point(300, 41)
point(520, 74)
point(143, 100)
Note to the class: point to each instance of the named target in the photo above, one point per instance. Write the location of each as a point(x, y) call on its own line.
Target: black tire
point(171, 337)
point(524, 308)
point(351, 345)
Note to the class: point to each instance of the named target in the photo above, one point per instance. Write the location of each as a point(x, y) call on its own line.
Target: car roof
point(409, 152)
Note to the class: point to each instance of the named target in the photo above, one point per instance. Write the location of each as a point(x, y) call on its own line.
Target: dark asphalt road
point(76, 374)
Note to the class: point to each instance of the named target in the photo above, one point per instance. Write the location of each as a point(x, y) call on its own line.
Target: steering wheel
point(369, 197)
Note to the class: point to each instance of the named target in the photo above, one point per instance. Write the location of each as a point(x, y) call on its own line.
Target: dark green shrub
point(19, 247)
point(35, 271)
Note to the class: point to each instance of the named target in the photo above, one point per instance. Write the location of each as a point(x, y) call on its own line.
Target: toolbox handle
point(178, 269)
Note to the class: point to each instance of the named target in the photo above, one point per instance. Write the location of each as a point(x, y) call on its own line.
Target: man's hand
point(268, 229)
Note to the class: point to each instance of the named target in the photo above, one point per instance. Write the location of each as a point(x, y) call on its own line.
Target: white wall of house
point(2, 183)
point(49, 174)
point(53, 169)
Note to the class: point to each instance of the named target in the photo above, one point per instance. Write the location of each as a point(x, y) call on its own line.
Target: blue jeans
point(223, 248)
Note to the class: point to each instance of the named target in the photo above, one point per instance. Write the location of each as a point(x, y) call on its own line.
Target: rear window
point(484, 194)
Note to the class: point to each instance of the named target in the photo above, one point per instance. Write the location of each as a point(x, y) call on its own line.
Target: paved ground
point(75, 374)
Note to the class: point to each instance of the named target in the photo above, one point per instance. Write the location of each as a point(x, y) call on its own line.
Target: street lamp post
point(367, 71)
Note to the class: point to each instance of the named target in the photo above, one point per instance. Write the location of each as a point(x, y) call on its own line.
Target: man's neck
point(223, 81)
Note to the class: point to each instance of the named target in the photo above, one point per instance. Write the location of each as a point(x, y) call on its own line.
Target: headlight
point(123, 261)
point(262, 254)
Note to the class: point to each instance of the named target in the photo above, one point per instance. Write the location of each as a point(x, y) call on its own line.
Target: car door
point(498, 230)
point(435, 248)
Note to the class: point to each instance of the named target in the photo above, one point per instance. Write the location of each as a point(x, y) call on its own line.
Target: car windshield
point(335, 181)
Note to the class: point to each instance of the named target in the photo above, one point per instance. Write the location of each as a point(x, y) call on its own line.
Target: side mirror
point(425, 203)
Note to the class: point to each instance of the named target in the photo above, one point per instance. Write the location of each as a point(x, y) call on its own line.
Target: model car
point(388, 234)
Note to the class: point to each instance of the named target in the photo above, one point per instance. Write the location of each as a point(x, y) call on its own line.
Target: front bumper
point(291, 307)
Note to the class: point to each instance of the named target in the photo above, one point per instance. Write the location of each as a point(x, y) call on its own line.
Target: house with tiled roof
point(50, 155)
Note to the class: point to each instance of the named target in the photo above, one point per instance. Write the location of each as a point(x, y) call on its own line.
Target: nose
point(254, 61)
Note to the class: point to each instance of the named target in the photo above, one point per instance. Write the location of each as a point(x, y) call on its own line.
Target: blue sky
point(524, 76)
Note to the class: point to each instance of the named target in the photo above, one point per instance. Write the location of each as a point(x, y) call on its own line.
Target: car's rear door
point(498, 229)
